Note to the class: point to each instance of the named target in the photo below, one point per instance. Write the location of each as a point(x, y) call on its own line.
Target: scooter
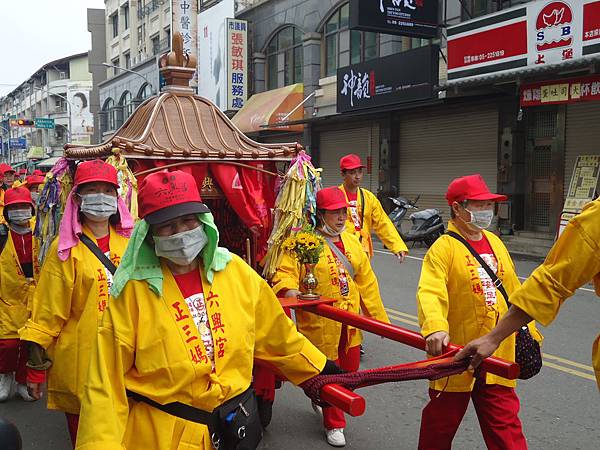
point(427, 225)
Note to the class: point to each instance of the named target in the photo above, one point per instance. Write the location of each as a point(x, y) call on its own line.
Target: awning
point(49, 162)
point(35, 153)
point(19, 164)
point(271, 107)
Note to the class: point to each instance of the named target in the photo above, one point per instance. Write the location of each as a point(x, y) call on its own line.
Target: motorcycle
point(427, 225)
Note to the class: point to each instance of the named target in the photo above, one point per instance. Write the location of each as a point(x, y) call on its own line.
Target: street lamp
point(70, 111)
point(105, 64)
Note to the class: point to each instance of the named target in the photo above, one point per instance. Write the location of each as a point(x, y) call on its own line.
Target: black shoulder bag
point(234, 425)
point(98, 253)
point(528, 354)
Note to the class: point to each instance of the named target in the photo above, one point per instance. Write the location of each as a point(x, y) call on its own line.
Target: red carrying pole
point(348, 401)
point(497, 366)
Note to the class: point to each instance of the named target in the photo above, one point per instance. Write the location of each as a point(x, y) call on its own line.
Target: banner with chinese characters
point(415, 18)
point(538, 33)
point(404, 77)
point(573, 90)
point(184, 19)
point(584, 182)
point(237, 67)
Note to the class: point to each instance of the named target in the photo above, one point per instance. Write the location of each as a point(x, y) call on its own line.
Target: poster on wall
point(184, 19)
point(212, 52)
point(82, 120)
point(237, 66)
point(414, 18)
point(533, 35)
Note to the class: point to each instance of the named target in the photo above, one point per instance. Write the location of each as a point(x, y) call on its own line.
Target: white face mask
point(481, 219)
point(181, 248)
point(98, 207)
point(329, 231)
point(19, 215)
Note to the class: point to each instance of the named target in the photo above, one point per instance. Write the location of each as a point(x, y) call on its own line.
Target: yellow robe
point(16, 291)
point(363, 296)
point(68, 302)
point(375, 219)
point(150, 345)
point(450, 298)
point(573, 261)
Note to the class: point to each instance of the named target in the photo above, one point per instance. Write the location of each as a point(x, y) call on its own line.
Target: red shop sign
point(557, 92)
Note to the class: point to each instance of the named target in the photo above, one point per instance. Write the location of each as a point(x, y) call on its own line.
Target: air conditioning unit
point(62, 75)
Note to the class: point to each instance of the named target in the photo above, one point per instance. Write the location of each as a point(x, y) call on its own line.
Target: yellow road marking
point(577, 373)
point(404, 317)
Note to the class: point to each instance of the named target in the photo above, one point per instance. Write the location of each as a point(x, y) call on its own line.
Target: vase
point(309, 283)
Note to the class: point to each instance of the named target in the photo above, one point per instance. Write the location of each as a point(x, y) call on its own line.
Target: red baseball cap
point(350, 162)
point(96, 170)
point(22, 171)
point(34, 180)
point(166, 195)
point(331, 198)
point(38, 172)
point(471, 187)
point(17, 195)
point(6, 168)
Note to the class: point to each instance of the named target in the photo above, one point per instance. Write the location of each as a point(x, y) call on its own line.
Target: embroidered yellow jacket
point(450, 298)
point(16, 291)
point(67, 304)
point(363, 295)
point(573, 261)
point(375, 220)
point(150, 345)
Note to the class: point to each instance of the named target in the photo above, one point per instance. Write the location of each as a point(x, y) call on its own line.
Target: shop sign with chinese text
point(557, 92)
point(185, 21)
point(237, 68)
point(416, 18)
point(401, 78)
point(539, 33)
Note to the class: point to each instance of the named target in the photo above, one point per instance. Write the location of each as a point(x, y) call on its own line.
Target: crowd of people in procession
point(144, 336)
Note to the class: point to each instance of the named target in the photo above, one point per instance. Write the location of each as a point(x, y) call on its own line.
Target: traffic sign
point(18, 143)
point(42, 122)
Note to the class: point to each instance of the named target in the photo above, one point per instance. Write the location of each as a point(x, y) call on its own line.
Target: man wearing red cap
point(365, 212)
point(179, 337)
point(72, 291)
point(33, 183)
point(19, 269)
point(458, 302)
point(344, 273)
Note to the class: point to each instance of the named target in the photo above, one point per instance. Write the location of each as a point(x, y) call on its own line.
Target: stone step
point(528, 246)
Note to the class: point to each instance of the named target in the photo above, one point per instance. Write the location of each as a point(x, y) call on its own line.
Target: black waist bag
point(234, 425)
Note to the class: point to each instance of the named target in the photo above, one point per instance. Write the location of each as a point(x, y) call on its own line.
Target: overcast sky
point(34, 32)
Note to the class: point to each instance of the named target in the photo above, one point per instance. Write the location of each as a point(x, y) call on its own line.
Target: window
point(125, 12)
point(144, 92)
point(114, 21)
point(363, 45)
point(127, 57)
point(109, 115)
point(126, 104)
point(476, 8)
point(285, 54)
point(115, 64)
point(155, 44)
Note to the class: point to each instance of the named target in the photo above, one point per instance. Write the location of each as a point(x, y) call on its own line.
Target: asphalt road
point(560, 406)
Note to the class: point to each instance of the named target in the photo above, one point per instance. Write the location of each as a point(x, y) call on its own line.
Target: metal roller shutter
point(440, 144)
point(582, 135)
point(362, 140)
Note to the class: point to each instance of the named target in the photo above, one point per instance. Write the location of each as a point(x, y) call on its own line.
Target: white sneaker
point(6, 381)
point(336, 437)
point(24, 393)
point(316, 408)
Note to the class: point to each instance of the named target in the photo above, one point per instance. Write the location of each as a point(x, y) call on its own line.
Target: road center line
point(385, 252)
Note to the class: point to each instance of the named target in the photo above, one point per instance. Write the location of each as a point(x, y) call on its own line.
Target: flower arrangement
point(306, 245)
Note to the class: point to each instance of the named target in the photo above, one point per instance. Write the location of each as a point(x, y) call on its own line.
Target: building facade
point(60, 90)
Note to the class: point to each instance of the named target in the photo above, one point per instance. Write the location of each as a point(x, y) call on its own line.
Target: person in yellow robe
point(186, 321)
point(458, 301)
point(72, 291)
point(573, 261)
point(344, 273)
point(19, 270)
point(365, 213)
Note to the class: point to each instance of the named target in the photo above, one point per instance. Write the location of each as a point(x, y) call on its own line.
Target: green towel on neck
point(141, 263)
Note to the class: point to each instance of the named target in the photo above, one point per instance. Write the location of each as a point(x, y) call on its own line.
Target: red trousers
point(349, 361)
point(497, 409)
point(73, 425)
point(13, 358)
